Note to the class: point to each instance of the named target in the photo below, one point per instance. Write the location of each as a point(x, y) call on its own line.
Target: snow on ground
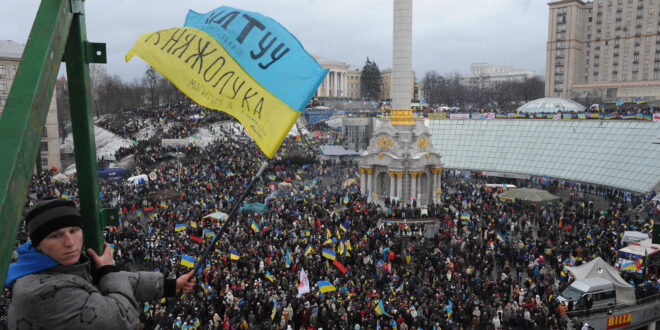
point(107, 143)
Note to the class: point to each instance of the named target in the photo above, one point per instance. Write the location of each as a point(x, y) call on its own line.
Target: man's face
point(63, 245)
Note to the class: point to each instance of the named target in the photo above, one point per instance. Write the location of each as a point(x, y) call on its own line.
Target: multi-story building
point(490, 74)
point(603, 50)
point(343, 81)
point(10, 56)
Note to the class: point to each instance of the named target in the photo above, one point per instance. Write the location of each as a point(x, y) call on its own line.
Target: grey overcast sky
point(448, 35)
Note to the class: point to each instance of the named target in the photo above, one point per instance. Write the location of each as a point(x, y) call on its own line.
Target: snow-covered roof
point(550, 105)
point(11, 49)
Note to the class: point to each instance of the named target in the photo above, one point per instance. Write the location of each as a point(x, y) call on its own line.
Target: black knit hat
point(50, 215)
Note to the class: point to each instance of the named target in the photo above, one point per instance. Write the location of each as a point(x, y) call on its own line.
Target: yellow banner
point(201, 68)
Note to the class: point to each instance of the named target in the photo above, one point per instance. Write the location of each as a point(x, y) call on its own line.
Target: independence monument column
point(402, 55)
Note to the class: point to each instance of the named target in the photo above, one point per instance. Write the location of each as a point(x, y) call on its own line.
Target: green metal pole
point(24, 116)
point(82, 123)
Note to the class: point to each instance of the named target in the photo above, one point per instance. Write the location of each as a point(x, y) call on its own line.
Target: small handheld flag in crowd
point(325, 286)
point(269, 277)
point(233, 255)
point(187, 261)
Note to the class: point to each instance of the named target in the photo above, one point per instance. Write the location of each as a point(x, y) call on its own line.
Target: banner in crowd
point(174, 142)
point(459, 116)
point(239, 62)
point(656, 117)
point(489, 115)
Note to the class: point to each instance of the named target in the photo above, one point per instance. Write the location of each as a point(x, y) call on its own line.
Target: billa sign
point(618, 321)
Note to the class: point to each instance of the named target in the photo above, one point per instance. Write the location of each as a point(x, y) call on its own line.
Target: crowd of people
point(473, 261)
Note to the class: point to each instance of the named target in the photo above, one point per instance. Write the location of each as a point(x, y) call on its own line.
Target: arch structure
point(400, 162)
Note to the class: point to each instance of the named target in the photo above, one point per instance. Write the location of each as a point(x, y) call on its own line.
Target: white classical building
point(490, 74)
point(400, 162)
point(335, 83)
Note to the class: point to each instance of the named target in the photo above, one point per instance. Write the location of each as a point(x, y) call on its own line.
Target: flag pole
point(202, 259)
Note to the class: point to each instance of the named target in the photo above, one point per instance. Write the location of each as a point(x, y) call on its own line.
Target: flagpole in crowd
point(235, 208)
point(202, 259)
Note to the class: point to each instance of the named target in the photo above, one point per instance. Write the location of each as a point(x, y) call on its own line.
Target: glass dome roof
point(551, 105)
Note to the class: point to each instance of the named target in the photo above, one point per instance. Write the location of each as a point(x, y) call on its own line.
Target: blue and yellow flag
point(239, 62)
point(465, 216)
point(325, 286)
point(208, 233)
point(187, 261)
point(254, 227)
point(308, 249)
point(179, 227)
point(332, 255)
point(272, 314)
point(233, 255)
point(269, 277)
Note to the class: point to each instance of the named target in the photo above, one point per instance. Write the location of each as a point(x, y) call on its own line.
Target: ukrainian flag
point(329, 254)
point(287, 258)
point(208, 233)
point(500, 237)
point(233, 255)
point(342, 227)
point(264, 79)
point(187, 261)
point(254, 227)
point(465, 216)
point(271, 177)
point(272, 314)
point(269, 277)
point(505, 188)
point(308, 249)
point(179, 227)
point(380, 309)
point(325, 286)
point(163, 205)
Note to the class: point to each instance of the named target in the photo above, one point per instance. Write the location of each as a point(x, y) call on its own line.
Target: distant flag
point(187, 261)
point(639, 100)
point(308, 249)
point(209, 233)
point(328, 234)
point(233, 255)
point(287, 258)
point(449, 308)
point(400, 287)
point(112, 247)
point(298, 177)
point(272, 315)
point(303, 287)
point(329, 254)
point(207, 288)
point(271, 86)
point(348, 245)
point(545, 180)
point(465, 216)
point(340, 249)
point(134, 142)
point(254, 227)
point(341, 226)
point(371, 261)
point(505, 188)
point(380, 309)
point(500, 237)
point(340, 266)
point(620, 103)
point(179, 227)
point(269, 277)
point(271, 177)
point(197, 239)
point(325, 286)
point(327, 241)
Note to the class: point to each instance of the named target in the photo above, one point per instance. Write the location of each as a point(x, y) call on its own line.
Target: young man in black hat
point(54, 285)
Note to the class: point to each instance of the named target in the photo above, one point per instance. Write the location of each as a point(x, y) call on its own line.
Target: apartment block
point(603, 50)
point(49, 148)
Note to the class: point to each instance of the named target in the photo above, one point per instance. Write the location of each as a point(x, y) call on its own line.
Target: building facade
point(10, 57)
point(603, 50)
point(491, 74)
point(343, 81)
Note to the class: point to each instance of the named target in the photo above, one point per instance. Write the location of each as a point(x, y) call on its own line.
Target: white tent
point(59, 177)
point(625, 293)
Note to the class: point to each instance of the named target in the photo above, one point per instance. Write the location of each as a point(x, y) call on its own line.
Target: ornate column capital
point(436, 170)
point(369, 170)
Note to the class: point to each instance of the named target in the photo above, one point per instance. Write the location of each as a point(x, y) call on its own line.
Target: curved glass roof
point(550, 105)
point(617, 153)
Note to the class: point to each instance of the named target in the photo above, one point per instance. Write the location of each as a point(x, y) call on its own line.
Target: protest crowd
point(473, 261)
